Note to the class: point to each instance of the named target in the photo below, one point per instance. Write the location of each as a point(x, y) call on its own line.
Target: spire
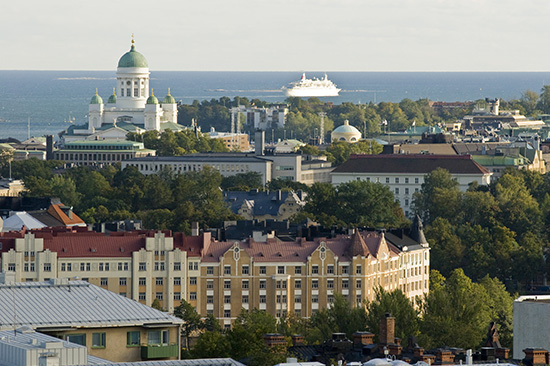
point(358, 245)
point(168, 91)
point(133, 42)
point(152, 94)
point(417, 231)
point(96, 91)
point(114, 92)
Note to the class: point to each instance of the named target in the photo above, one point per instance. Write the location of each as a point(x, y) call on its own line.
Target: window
point(159, 281)
point(88, 266)
point(77, 338)
point(406, 202)
point(314, 299)
point(358, 284)
point(297, 270)
point(98, 340)
point(209, 270)
point(159, 295)
point(227, 299)
point(278, 299)
point(387, 179)
point(263, 284)
point(298, 299)
point(227, 313)
point(345, 284)
point(330, 269)
point(141, 296)
point(47, 267)
point(177, 266)
point(63, 267)
point(415, 180)
point(69, 267)
point(314, 284)
point(26, 267)
point(345, 269)
point(245, 299)
point(209, 284)
point(123, 294)
point(281, 269)
point(330, 299)
point(297, 283)
point(209, 299)
point(177, 281)
point(82, 267)
point(192, 280)
point(142, 266)
point(122, 281)
point(396, 180)
point(315, 269)
point(107, 266)
point(406, 180)
point(227, 270)
point(358, 299)
point(330, 283)
point(104, 281)
point(406, 191)
point(358, 269)
point(227, 285)
point(245, 284)
point(396, 190)
point(262, 299)
point(262, 270)
point(157, 337)
point(192, 296)
point(132, 339)
point(245, 270)
point(141, 281)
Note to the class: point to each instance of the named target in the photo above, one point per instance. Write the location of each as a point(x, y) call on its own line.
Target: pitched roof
point(73, 304)
point(413, 164)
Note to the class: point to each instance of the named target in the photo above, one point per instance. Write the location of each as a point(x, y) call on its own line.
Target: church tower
point(132, 80)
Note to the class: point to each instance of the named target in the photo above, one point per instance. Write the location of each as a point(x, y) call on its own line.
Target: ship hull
point(312, 92)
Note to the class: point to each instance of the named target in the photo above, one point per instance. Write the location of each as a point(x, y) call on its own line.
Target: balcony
point(158, 351)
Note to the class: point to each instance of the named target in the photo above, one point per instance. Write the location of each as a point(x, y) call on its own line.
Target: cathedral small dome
point(168, 99)
point(96, 99)
point(132, 58)
point(152, 99)
point(112, 98)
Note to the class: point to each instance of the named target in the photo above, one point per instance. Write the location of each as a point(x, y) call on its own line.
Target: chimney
point(259, 143)
point(49, 147)
point(297, 340)
point(194, 228)
point(362, 339)
point(273, 339)
point(387, 329)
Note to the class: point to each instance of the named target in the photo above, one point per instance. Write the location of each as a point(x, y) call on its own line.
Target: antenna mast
point(322, 128)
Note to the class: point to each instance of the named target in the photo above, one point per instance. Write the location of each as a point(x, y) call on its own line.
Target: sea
point(37, 103)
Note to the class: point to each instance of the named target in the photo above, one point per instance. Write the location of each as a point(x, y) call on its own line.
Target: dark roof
point(263, 203)
point(414, 164)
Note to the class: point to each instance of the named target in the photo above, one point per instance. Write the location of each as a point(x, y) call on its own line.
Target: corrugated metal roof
point(198, 362)
point(72, 304)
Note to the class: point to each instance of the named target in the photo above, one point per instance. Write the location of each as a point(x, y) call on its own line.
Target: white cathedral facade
point(131, 108)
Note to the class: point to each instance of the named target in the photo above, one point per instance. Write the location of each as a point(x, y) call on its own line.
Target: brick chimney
point(534, 356)
point(298, 340)
point(362, 339)
point(387, 329)
point(444, 357)
point(273, 339)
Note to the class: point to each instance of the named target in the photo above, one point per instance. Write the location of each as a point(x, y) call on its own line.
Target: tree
point(447, 250)
point(156, 305)
point(399, 306)
point(211, 345)
point(543, 103)
point(192, 320)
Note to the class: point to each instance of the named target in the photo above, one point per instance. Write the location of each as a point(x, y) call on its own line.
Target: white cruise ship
point(312, 88)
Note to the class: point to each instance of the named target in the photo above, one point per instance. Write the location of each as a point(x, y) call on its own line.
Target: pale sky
point(278, 35)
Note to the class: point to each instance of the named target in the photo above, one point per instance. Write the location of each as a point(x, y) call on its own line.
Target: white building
point(345, 133)
point(530, 328)
point(131, 108)
point(263, 118)
point(404, 174)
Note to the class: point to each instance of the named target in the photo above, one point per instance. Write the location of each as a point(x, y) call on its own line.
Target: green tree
point(399, 306)
point(192, 320)
point(211, 345)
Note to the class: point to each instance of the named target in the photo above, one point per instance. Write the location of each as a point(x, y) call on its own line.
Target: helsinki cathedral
point(132, 107)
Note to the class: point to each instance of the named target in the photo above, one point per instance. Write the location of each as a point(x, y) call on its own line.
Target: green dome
point(168, 99)
point(96, 99)
point(112, 98)
point(152, 100)
point(132, 58)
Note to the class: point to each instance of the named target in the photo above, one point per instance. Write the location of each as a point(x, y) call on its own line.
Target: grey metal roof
point(203, 157)
point(58, 303)
point(25, 340)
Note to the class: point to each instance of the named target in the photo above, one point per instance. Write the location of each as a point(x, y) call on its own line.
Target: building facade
point(404, 174)
point(101, 152)
point(221, 278)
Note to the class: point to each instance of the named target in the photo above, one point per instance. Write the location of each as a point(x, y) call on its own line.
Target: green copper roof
point(168, 100)
point(112, 99)
point(152, 100)
point(96, 99)
point(132, 58)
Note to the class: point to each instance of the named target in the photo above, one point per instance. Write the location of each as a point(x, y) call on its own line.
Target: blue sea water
point(49, 99)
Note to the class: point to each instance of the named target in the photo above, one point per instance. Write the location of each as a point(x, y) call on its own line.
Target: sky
point(278, 35)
